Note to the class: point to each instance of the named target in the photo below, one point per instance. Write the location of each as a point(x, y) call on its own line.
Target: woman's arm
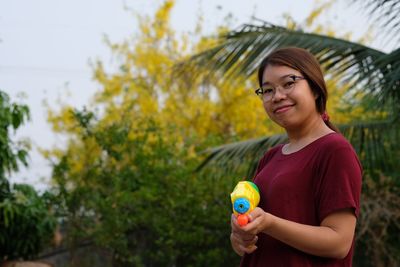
point(333, 238)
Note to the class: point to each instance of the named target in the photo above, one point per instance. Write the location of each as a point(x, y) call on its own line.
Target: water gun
point(245, 197)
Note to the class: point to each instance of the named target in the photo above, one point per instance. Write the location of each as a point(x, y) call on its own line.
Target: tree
point(127, 173)
point(26, 224)
point(12, 116)
point(137, 196)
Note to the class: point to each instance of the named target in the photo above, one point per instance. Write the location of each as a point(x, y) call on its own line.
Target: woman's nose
point(278, 95)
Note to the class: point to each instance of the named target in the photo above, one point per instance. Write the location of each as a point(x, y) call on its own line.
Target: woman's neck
point(299, 137)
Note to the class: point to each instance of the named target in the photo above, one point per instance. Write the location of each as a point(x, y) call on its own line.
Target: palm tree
point(371, 73)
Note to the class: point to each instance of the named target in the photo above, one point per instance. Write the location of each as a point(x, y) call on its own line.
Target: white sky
point(46, 45)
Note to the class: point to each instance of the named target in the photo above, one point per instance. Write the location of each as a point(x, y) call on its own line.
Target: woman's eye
point(268, 90)
point(288, 85)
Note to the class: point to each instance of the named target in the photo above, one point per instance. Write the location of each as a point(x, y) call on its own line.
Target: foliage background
point(27, 223)
point(128, 180)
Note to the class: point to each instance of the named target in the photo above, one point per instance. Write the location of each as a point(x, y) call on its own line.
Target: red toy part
point(242, 219)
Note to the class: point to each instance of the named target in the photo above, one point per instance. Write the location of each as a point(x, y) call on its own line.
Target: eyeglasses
point(267, 92)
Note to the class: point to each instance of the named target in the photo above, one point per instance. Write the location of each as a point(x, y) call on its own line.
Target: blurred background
point(126, 124)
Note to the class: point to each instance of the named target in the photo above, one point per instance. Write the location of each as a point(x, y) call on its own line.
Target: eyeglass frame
point(259, 91)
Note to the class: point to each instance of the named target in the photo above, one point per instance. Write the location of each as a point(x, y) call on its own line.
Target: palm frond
point(372, 72)
point(374, 142)
point(389, 77)
point(241, 51)
point(240, 156)
point(385, 13)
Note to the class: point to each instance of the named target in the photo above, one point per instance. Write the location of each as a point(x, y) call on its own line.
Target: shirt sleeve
point(339, 182)
point(267, 156)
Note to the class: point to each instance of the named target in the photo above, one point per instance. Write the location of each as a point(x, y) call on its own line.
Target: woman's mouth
point(282, 109)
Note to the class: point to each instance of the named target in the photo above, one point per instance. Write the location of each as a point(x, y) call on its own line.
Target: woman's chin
point(283, 122)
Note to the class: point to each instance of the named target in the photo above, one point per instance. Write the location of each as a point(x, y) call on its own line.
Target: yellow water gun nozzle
point(245, 197)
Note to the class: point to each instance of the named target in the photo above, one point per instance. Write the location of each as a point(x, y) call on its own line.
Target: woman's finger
point(249, 249)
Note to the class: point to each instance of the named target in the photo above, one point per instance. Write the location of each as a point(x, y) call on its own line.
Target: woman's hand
point(244, 239)
point(259, 221)
point(241, 241)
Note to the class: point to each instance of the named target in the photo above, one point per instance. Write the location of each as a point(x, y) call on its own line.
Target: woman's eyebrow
point(265, 83)
point(280, 78)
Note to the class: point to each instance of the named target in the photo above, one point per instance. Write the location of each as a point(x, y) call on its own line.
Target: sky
point(46, 47)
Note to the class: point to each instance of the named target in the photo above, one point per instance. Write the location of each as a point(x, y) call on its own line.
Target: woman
point(310, 187)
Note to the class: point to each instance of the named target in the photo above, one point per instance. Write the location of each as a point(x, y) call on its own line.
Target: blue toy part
point(241, 205)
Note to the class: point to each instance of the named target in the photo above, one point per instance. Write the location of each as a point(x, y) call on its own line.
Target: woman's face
point(289, 110)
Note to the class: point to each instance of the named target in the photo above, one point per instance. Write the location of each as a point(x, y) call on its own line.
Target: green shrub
point(26, 224)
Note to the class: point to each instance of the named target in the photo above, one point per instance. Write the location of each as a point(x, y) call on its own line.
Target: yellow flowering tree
point(127, 174)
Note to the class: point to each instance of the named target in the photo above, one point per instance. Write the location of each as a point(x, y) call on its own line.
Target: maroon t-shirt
point(305, 187)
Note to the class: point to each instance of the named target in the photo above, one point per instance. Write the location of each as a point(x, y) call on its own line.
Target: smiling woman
point(310, 187)
point(292, 66)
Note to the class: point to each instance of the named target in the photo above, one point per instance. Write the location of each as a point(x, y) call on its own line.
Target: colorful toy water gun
point(245, 197)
